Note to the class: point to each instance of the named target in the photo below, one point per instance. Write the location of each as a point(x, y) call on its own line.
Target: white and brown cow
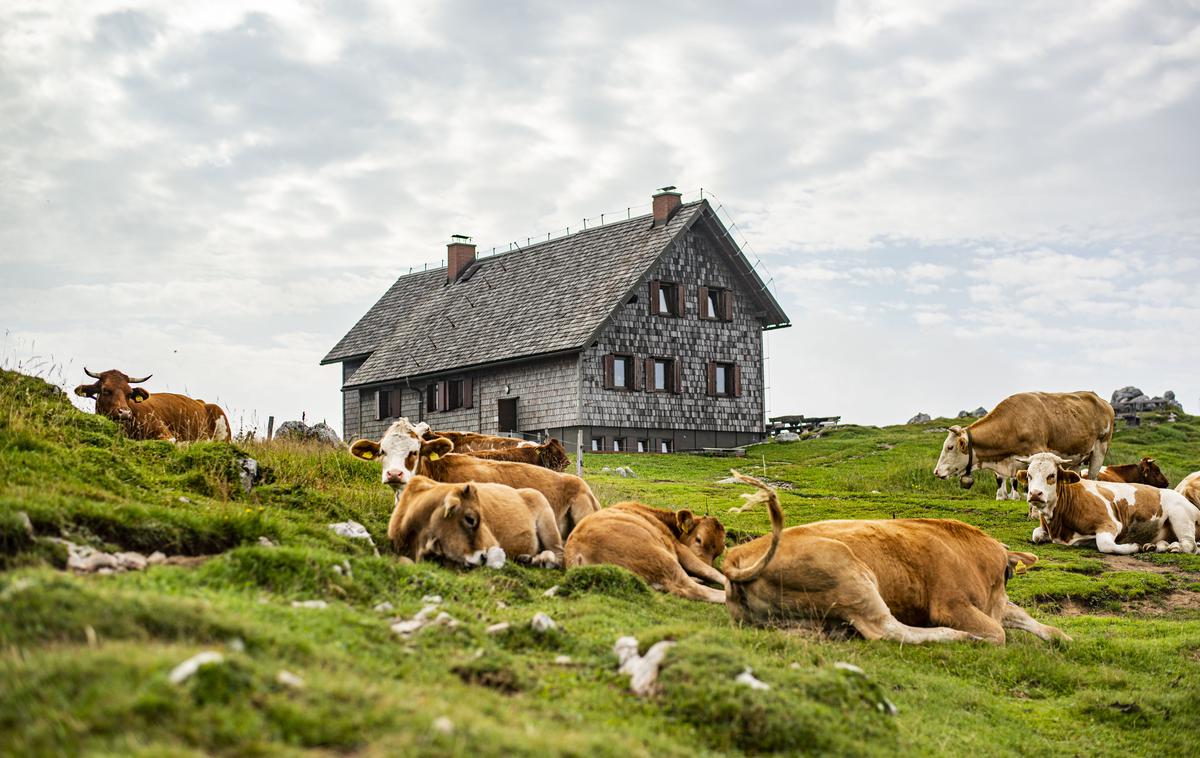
point(405, 453)
point(1190, 488)
point(1074, 511)
point(1077, 426)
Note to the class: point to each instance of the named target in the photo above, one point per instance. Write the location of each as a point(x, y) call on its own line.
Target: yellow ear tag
point(434, 456)
point(138, 398)
point(368, 454)
point(1020, 568)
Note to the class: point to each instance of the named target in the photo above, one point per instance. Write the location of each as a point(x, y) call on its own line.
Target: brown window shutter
point(681, 299)
point(737, 380)
point(702, 302)
point(468, 393)
point(431, 397)
point(712, 378)
point(635, 368)
point(649, 374)
point(381, 405)
point(654, 297)
point(609, 382)
point(727, 305)
point(678, 386)
point(443, 395)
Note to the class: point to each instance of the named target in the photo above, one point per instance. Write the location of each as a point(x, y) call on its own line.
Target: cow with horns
point(161, 416)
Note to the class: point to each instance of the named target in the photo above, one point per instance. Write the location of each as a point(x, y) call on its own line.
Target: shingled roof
point(547, 298)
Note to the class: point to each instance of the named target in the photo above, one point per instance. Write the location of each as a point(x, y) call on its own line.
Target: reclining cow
point(1073, 511)
point(474, 524)
point(161, 416)
point(1145, 471)
point(404, 454)
point(908, 580)
point(666, 548)
point(550, 454)
point(472, 442)
point(1078, 426)
point(1190, 488)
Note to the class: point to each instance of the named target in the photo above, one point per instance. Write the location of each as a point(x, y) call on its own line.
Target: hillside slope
point(85, 660)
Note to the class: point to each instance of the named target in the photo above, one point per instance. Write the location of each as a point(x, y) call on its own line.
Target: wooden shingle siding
point(696, 341)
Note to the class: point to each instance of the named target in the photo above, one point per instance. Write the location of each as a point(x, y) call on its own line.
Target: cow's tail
point(765, 494)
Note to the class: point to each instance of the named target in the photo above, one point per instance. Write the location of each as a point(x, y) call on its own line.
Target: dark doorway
point(507, 408)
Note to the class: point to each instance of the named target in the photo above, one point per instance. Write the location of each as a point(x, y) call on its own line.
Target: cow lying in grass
point(471, 442)
point(161, 416)
point(550, 454)
point(666, 548)
point(908, 580)
point(1145, 471)
point(1074, 511)
point(404, 454)
point(474, 524)
point(1190, 488)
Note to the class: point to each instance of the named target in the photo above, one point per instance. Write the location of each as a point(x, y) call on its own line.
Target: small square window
point(597, 444)
point(668, 299)
point(664, 446)
point(618, 444)
point(643, 445)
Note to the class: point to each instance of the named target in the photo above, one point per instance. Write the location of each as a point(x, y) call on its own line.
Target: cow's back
point(1067, 423)
point(186, 418)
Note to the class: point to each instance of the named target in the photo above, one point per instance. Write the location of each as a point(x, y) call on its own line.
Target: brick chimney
point(666, 201)
point(460, 253)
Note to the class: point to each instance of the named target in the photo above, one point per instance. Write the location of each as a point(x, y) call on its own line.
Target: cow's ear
point(685, 521)
point(466, 492)
point(365, 449)
point(139, 395)
point(1023, 476)
point(962, 443)
point(436, 448)
point(1066, 476)
point(87, 390)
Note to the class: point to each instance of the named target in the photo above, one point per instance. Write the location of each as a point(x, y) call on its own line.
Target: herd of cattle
point(473, 500)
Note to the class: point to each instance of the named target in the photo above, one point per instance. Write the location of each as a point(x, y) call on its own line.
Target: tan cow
point(1074, 511)
point(161, 416)
point(666, 548)
point(550, 454)
point(908, 580)
point(404, 453)
point(1190, 488)
point(1077, 426)
point(471, 442)
point(1145, 471)
point(474, 524)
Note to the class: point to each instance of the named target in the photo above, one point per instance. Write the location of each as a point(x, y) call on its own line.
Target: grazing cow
point(470, 442)
point(161, 416)
point(1190, 488)
point(474, 524)
point(404, 453)
point(666, 548)
point(550, 454)
point(908, 580)
point(1145, 471)
point(1076, 425)
point(1073, 511)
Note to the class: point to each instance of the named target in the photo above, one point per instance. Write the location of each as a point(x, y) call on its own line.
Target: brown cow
point(161, 416)
point(1190, 488)
point(1076, 425)
point(1145, 471)
point(666, 548)
point(471, 442)
point(550, 454)
point(909, 580)
point(474, 524)
point(404, 454)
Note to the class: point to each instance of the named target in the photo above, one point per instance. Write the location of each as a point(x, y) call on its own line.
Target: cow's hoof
point(545, 559)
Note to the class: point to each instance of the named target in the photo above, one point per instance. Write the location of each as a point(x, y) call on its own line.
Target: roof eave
point(411, 378)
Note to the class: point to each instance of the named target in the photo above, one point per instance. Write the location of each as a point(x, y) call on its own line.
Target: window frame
point(630, 374)
point(670, 293)
point(672, 374)
point(720, 298)
point(733, 379)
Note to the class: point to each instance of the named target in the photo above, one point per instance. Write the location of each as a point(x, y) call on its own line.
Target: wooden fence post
point(270, 427)
point(579, 453)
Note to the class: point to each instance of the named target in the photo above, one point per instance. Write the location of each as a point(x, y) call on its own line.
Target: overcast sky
point(956, 202)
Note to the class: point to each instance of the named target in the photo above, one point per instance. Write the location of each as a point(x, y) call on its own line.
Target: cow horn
point(91, 374)
point(132, 380)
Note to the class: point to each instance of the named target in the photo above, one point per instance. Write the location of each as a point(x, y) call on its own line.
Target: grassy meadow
point(85, 660)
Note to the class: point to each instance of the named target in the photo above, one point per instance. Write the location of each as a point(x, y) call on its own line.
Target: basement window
point(664, 446)
point(618, 445)
point(597, 444)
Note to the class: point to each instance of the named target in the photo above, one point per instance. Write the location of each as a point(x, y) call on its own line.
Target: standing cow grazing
point(1076, 426)
point(161, 416)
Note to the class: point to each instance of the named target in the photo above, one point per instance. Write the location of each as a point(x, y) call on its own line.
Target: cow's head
point(113, 393)
point(703, 535)
point(444, 522)
point(1152, 474)
point(1042, 478)
point(553, 455)
point(954, 457)
point(400, 451)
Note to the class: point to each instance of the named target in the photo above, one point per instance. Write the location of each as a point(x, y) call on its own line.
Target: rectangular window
point(454, 394)
point(620, 368)
point(619, 372)
point(643, 445)
point(716, 304)
point(387, 404)
point(724, 379)
point(664, 375)
point(597, 444)
point(722, 384)
point(664, 446)
point(666, 298)
point(618, 445)
point(431, 393)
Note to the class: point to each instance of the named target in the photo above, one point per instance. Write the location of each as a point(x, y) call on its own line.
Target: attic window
point(666, 298)
point(716, 304)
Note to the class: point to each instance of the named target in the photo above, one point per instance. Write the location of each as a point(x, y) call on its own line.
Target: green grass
point(84, 661)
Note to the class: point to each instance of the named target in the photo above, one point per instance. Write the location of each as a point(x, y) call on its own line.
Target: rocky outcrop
point(977, 413)
point(1130, 400)
point(920, 418)
point(298, 431)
